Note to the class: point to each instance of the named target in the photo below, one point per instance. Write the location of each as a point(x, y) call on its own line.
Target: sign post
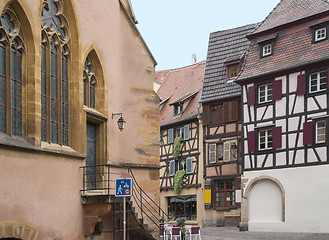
point(123, 188)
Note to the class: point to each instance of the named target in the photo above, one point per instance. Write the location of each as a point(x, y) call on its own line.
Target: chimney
point(193, 58)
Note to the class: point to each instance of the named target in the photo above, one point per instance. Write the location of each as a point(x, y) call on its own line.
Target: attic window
point(267, 50)
point(319, 32)
point(178, 109)
point(233, 71)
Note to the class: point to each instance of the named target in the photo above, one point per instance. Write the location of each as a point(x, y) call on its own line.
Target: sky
point(176, 29)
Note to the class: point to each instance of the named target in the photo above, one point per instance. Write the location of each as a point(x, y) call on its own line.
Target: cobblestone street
point(233, 233)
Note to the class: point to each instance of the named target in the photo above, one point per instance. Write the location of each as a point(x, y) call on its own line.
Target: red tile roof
point(288, 11)
point(178, 84)
point(293, 48)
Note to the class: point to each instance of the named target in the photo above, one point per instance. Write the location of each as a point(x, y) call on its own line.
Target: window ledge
point(21, 143)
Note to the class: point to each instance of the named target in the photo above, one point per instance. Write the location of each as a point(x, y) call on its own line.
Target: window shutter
point(251, 141)
point(277, 137)
point(172, 168)
point(234, 110)
point(277, 90)
point(308, 133)
point(189, 165)
point(226, 107)
point(227, 151)
point(251, 95)
point(186, 132)
point(170, 135)
point(301, 84)
point(205, 114)
point(212, 153)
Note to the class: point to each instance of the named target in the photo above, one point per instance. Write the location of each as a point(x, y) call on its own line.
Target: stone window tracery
point(89, 84)
point(55, 57)
point(12, 49)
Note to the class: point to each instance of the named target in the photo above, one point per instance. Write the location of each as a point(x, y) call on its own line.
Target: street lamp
point(121, 122)
point(234, 150)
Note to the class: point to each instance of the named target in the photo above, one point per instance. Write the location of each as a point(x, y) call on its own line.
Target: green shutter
point(187, 132)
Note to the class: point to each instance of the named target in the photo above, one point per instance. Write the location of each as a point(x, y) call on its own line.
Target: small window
point(233, 71)
point(320, 131)
point(265, 93)
point(317, 81)
point(320, 34)
point(265, 139)
point(267, 50)
point(180, 132)
point(178, 109)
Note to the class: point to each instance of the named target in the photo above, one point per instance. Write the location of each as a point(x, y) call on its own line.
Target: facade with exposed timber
point(285, 120)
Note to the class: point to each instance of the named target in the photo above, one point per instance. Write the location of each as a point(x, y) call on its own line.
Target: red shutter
point(301, 84)
point(251, 141)
point(251, 95)
point(277, 90)
point(277, 137)
point(205, 114)
point(308, 133)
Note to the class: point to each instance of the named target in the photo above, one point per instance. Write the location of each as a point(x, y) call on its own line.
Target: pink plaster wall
point(42, 191)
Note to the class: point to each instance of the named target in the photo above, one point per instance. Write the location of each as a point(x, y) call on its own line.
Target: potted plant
point(181, 223)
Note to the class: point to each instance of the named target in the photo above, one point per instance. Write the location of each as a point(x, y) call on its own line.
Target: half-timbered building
point(180, 127)
point(221, 103)
point(285, 120)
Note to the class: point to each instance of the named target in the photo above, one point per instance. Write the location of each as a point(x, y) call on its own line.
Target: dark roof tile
point(223, 46)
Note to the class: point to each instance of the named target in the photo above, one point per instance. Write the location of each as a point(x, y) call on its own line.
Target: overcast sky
point(175, 29)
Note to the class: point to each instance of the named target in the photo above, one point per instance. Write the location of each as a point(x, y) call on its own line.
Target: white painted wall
point(265, 202)
point(306, 199)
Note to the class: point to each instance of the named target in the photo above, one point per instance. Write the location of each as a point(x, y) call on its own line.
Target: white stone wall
point(304, 199)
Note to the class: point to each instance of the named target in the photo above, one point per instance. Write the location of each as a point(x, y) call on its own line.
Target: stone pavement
point(233, 233)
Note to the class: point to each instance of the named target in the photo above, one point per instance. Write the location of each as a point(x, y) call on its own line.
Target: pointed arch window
point(54, 74)
point(11, 55)
point(89, 84)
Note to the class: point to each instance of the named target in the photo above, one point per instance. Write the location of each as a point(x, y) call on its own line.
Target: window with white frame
point(320, 34)
point(317, 81)
point(320, 131)
point(267, 50)
point(265, 93)
point(265, 139)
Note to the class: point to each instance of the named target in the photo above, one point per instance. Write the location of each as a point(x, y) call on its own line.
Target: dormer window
point(233, 71)
point(267, 50)
point(266, 45)
point(319, 32)
point(178, 109)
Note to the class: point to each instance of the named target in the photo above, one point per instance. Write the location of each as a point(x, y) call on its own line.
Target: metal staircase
point(143, 214)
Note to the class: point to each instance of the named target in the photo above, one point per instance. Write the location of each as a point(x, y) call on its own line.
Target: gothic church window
point(89, 84)
point(11, 54)
point(55, 57)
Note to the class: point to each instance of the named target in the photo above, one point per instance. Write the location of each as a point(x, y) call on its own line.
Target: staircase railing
point(147, 207)
point(100, 180)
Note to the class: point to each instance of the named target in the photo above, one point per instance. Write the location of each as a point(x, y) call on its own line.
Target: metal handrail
point(145, 204)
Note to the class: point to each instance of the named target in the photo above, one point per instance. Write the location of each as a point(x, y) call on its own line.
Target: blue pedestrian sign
point(123, 187)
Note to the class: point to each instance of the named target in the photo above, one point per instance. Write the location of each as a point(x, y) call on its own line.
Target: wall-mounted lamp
point(234, 150)
point(121, 122)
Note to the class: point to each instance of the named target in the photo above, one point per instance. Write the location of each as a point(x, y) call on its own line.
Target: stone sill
point(21, 143)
